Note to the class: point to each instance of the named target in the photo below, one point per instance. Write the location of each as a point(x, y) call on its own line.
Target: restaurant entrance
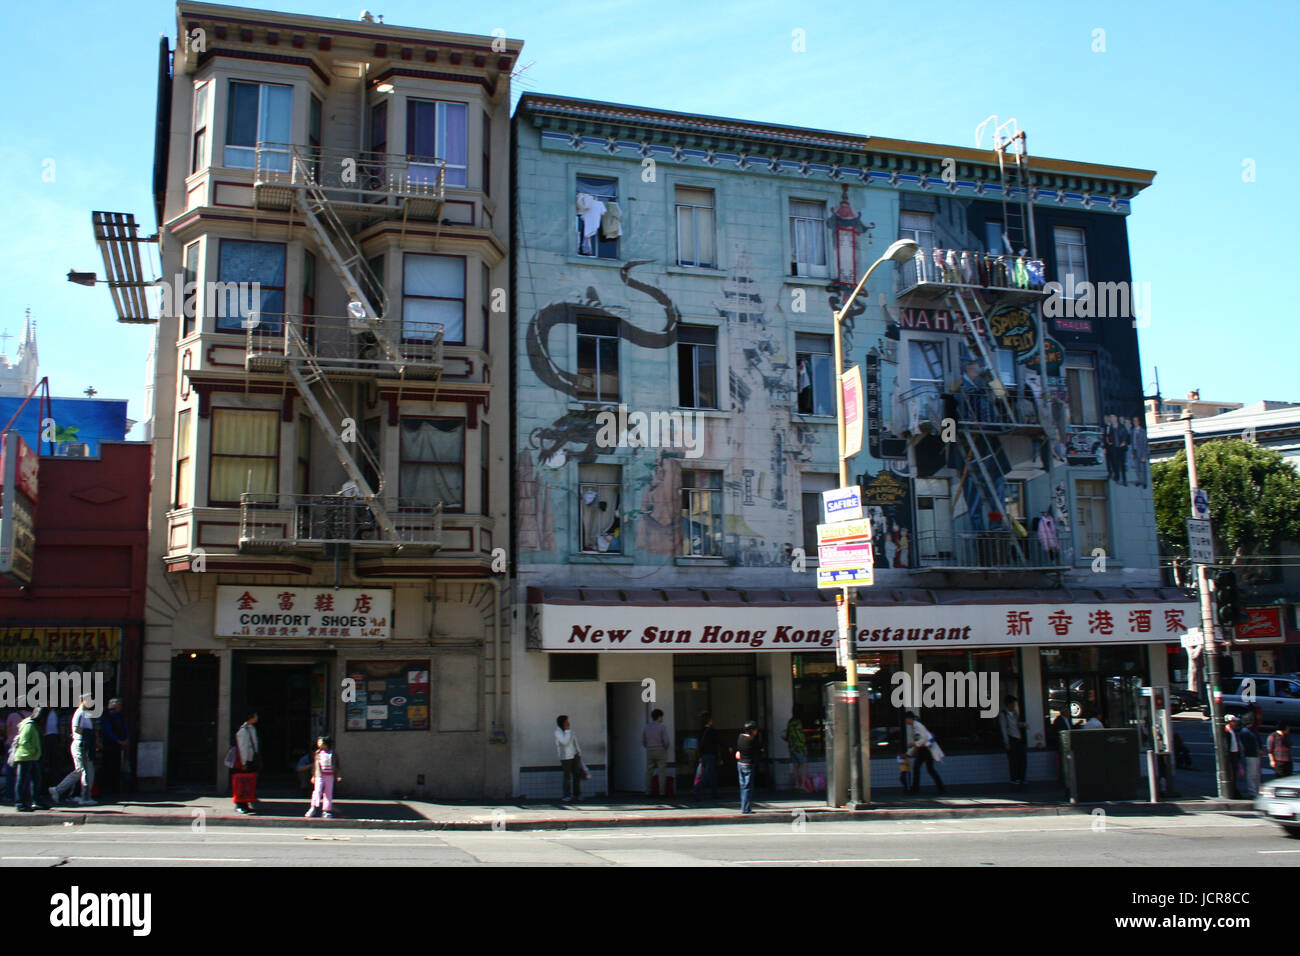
point(729, 687)
point(288, 693)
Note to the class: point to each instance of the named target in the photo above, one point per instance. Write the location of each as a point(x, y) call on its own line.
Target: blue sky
point(1190, 90)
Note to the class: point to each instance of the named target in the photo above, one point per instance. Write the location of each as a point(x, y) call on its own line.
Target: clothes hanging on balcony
point(1047, 535)
point(590, 210)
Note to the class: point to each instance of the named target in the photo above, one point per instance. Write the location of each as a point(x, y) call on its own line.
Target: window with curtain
point(251, 263)
point(814, 360)
point(437, 130)
point(694, 226)
point(702, 528)
point(1071, 255)
point(433, 462)
point(184, 470)
point(918, 226)
point(258, 113)
point(1081, 387)
point(591, 240)
point(199, 143)
point(697, 366)
point(245, 454)
point(1091, 518)
point(933, 519)
point(599, 522)
point(808, 237)
point(433, 293)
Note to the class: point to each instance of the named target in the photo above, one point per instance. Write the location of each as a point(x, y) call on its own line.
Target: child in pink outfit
point(324, 773)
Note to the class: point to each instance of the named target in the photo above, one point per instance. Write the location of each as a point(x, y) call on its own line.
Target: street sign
point(845, 577)
point(851, 388)
point(1200, 540)
point(843, 504)
point(842, 532)
point(1191, 638)
point(855, 554)
point(1201, 504)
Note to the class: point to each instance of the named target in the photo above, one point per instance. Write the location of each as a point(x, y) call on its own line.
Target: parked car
point(1279, 800)
point(1184, 700)
point(1079, 695)
point(1278, 698)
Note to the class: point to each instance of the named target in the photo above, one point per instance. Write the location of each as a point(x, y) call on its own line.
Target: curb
point(815, 814)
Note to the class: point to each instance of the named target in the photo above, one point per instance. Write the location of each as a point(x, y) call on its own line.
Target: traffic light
point(1227, 599)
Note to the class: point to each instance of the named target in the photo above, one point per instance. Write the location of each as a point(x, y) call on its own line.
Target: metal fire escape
point(989, 415)
point(318, 353)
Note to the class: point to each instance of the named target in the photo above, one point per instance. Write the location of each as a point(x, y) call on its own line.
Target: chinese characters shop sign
point(590, 627)
point(304, 612)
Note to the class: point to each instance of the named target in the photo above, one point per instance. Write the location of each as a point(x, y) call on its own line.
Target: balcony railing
point(351, 175)
point(349, 345)
point(271, 521)
point(922, 410)
point(988, 551)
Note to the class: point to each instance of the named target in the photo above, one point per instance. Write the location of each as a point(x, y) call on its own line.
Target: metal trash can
point(835, 728)
point(1101, 765)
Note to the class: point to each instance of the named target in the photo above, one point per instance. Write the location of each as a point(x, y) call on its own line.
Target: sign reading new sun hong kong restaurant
point(289, 612)
point(595, 627)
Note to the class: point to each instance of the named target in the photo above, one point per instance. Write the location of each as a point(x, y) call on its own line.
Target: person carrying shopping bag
point(924, 751)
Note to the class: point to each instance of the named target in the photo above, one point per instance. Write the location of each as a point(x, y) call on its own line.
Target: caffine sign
point(843, 504)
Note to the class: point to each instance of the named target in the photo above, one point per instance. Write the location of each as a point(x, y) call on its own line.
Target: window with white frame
point(258, 113)
point(694, 226)
point(1071, 255)
point(808, 238)
point(814, 367)
point(599, 521)
point(697, 366)
point(199, 141)
point(933, 519)
point(597, 359)
point(436, 130)
point(1091, 520)
point(919, 227)
point(702, 525)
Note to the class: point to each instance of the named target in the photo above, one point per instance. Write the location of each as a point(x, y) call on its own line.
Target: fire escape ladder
point(975, 337)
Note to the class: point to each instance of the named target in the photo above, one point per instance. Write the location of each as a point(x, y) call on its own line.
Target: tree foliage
point(1254, 497)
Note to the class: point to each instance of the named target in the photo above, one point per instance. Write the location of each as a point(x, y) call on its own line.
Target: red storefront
point(83, 608)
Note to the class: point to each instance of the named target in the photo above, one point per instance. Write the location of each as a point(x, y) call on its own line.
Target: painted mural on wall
point(887, 501)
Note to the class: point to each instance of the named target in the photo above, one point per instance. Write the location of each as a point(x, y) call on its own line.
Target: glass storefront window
point(1083, 682)
point(812, 672)
point(963, 729)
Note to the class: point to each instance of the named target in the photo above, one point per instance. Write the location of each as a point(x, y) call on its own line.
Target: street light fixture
point(900, 251)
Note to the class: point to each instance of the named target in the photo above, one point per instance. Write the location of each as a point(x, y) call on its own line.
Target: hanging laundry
point(1035, 269)
point(590, 210)
point(611, 223)
point(968, 268)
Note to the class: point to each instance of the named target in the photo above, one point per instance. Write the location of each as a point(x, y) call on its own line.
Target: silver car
point(1278, 698)
point(1279, 800)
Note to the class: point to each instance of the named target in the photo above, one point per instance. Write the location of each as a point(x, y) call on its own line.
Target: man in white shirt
point(1231, 725)
point(83, 757)
point(570, 754)
point(918, 740)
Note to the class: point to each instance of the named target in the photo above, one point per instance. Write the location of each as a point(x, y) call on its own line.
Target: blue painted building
point(674, 280)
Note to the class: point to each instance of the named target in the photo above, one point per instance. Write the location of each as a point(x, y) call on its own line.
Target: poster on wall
point(387, 695)
point(887, 502)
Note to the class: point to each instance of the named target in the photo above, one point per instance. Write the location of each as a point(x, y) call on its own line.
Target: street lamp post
point(1209, 647)
point(900, 251)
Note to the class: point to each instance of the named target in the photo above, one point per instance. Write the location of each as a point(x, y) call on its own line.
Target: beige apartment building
point(332, 398)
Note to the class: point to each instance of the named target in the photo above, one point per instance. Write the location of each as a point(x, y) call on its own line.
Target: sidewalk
point(186, 809)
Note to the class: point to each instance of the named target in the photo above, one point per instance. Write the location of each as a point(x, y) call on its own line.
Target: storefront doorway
point(289, 697)
point(728, 686)
point(625, 716)
point(1094, 681)
point(192, 737)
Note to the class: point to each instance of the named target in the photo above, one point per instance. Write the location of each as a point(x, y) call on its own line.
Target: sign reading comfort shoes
point(304, 612)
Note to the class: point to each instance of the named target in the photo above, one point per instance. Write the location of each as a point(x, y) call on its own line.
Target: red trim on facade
point(247, 37)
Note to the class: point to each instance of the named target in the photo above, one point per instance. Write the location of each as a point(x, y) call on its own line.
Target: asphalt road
point(1199, 839)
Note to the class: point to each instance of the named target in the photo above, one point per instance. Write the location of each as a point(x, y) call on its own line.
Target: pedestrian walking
point(1279, 751)
point(708, 775)
point(248, 761)
point(566, 745)
point(1250, 759)
point(1230, 727)
point(923, 750)
point(656, 741)
point(25, 759)
point(749, 747)
point(83, 757)
point(797, 741)
point(117, 735)
point(1060, 724)
point(1012, 725)
point(50, 746)
point(324, 774)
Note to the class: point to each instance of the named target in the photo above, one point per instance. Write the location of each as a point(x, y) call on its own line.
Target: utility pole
point(1210, 651)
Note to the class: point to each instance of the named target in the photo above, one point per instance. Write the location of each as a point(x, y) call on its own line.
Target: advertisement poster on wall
point(388, 695)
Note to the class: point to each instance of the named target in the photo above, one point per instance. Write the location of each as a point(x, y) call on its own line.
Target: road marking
point(1277, 851)
point(31, 857)
point(915, 859)
point(165, 859)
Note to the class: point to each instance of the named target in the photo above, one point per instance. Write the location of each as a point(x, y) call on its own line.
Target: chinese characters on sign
point(304, 612)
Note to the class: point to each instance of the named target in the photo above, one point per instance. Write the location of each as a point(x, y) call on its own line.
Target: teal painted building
point(674, 279)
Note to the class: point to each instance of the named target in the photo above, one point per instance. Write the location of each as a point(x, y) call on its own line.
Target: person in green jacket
point(27, 760)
